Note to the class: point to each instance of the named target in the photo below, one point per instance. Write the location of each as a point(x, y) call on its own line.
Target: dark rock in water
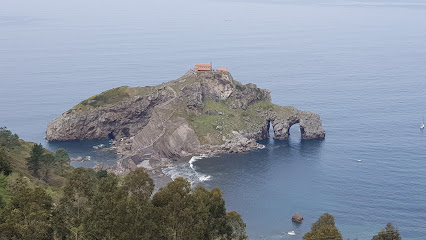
point(297, 218)
point(201, 112)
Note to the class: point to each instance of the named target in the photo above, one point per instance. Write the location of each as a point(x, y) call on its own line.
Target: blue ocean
point(360, 64)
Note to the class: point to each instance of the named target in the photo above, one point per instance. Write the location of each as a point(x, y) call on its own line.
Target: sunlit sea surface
point(360, 64)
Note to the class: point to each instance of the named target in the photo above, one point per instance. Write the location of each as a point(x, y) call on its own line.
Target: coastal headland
point(202, 112)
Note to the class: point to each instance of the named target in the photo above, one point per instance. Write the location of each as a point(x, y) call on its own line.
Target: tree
point(61, 158)
point(140, 211)
point(389, 233)
point(74, 206)
point(28, 216)
point(36, 156)
point(237, 225)
point(183, 213)
point(108, 211)
point(47, 161)
point(210, 217)
point(324, 228)
point(2, 203)
point(5, 167)
point(173, 205)
point(101, 174)
point(139, 184)
point(7, 139)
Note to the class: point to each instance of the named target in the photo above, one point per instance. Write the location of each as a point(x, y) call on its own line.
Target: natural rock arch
point(281, 121)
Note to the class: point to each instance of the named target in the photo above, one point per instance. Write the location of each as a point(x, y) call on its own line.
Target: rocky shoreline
point(199, 113)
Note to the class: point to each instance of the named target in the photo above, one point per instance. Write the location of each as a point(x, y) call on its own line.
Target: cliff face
point(200, 112)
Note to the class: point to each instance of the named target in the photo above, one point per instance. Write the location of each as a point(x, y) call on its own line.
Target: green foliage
point(324, 228)
point(47, 166)
point(101, 174)
point(232, 119)
point(192, 214)
point(4, 193)
point(113, 207)
point(112, 96)
point(237, 225)
point(47, 160)
point(7, 139)
point(389, 233)
point(107, 97)
point(107, 208)
point(74, 205)
point(62, 159)
point(2, 202)
point(28, 216)
point(139, 185)
point(34, 161)
point(62, 156)
point(5, 166)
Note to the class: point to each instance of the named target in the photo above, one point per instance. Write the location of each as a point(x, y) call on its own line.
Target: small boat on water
point(359, 160)
point(423, 124)
point(291, 233)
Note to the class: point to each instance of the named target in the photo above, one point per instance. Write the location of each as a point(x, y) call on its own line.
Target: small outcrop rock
point(80, 159)
point(297, 218)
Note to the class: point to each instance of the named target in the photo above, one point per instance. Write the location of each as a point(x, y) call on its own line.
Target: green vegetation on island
point(112, 96)
point(219, 119)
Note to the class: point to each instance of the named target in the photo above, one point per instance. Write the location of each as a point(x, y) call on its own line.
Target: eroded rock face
point(309, 122)
point(180, 142)
point(124, 119)
point(201, 112)
point(217, 86)
point(310, 125)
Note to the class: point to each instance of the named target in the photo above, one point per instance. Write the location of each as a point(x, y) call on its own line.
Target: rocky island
point(201, 112)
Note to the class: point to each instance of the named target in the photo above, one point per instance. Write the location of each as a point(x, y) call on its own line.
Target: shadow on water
point(306, 148)
point(96, 149)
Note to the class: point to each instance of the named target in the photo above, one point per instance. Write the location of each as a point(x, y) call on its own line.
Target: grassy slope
point(112, 96)
point(18, 161)
point(230, 120)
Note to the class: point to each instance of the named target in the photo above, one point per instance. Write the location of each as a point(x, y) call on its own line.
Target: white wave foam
point(196, 158)
point(187, 170)
point(205, 178)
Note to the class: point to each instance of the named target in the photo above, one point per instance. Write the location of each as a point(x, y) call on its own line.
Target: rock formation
point(297, 218)
point(201, 112)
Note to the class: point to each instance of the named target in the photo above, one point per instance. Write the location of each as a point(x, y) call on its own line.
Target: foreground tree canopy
point(110, 207)
point(324, 228)
point(8, 139)
point(389, 233)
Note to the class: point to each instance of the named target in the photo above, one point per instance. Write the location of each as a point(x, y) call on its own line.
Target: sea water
point(359, 64)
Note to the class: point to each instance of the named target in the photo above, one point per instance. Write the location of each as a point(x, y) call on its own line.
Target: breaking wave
point(196, 158)
point(188, 170)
